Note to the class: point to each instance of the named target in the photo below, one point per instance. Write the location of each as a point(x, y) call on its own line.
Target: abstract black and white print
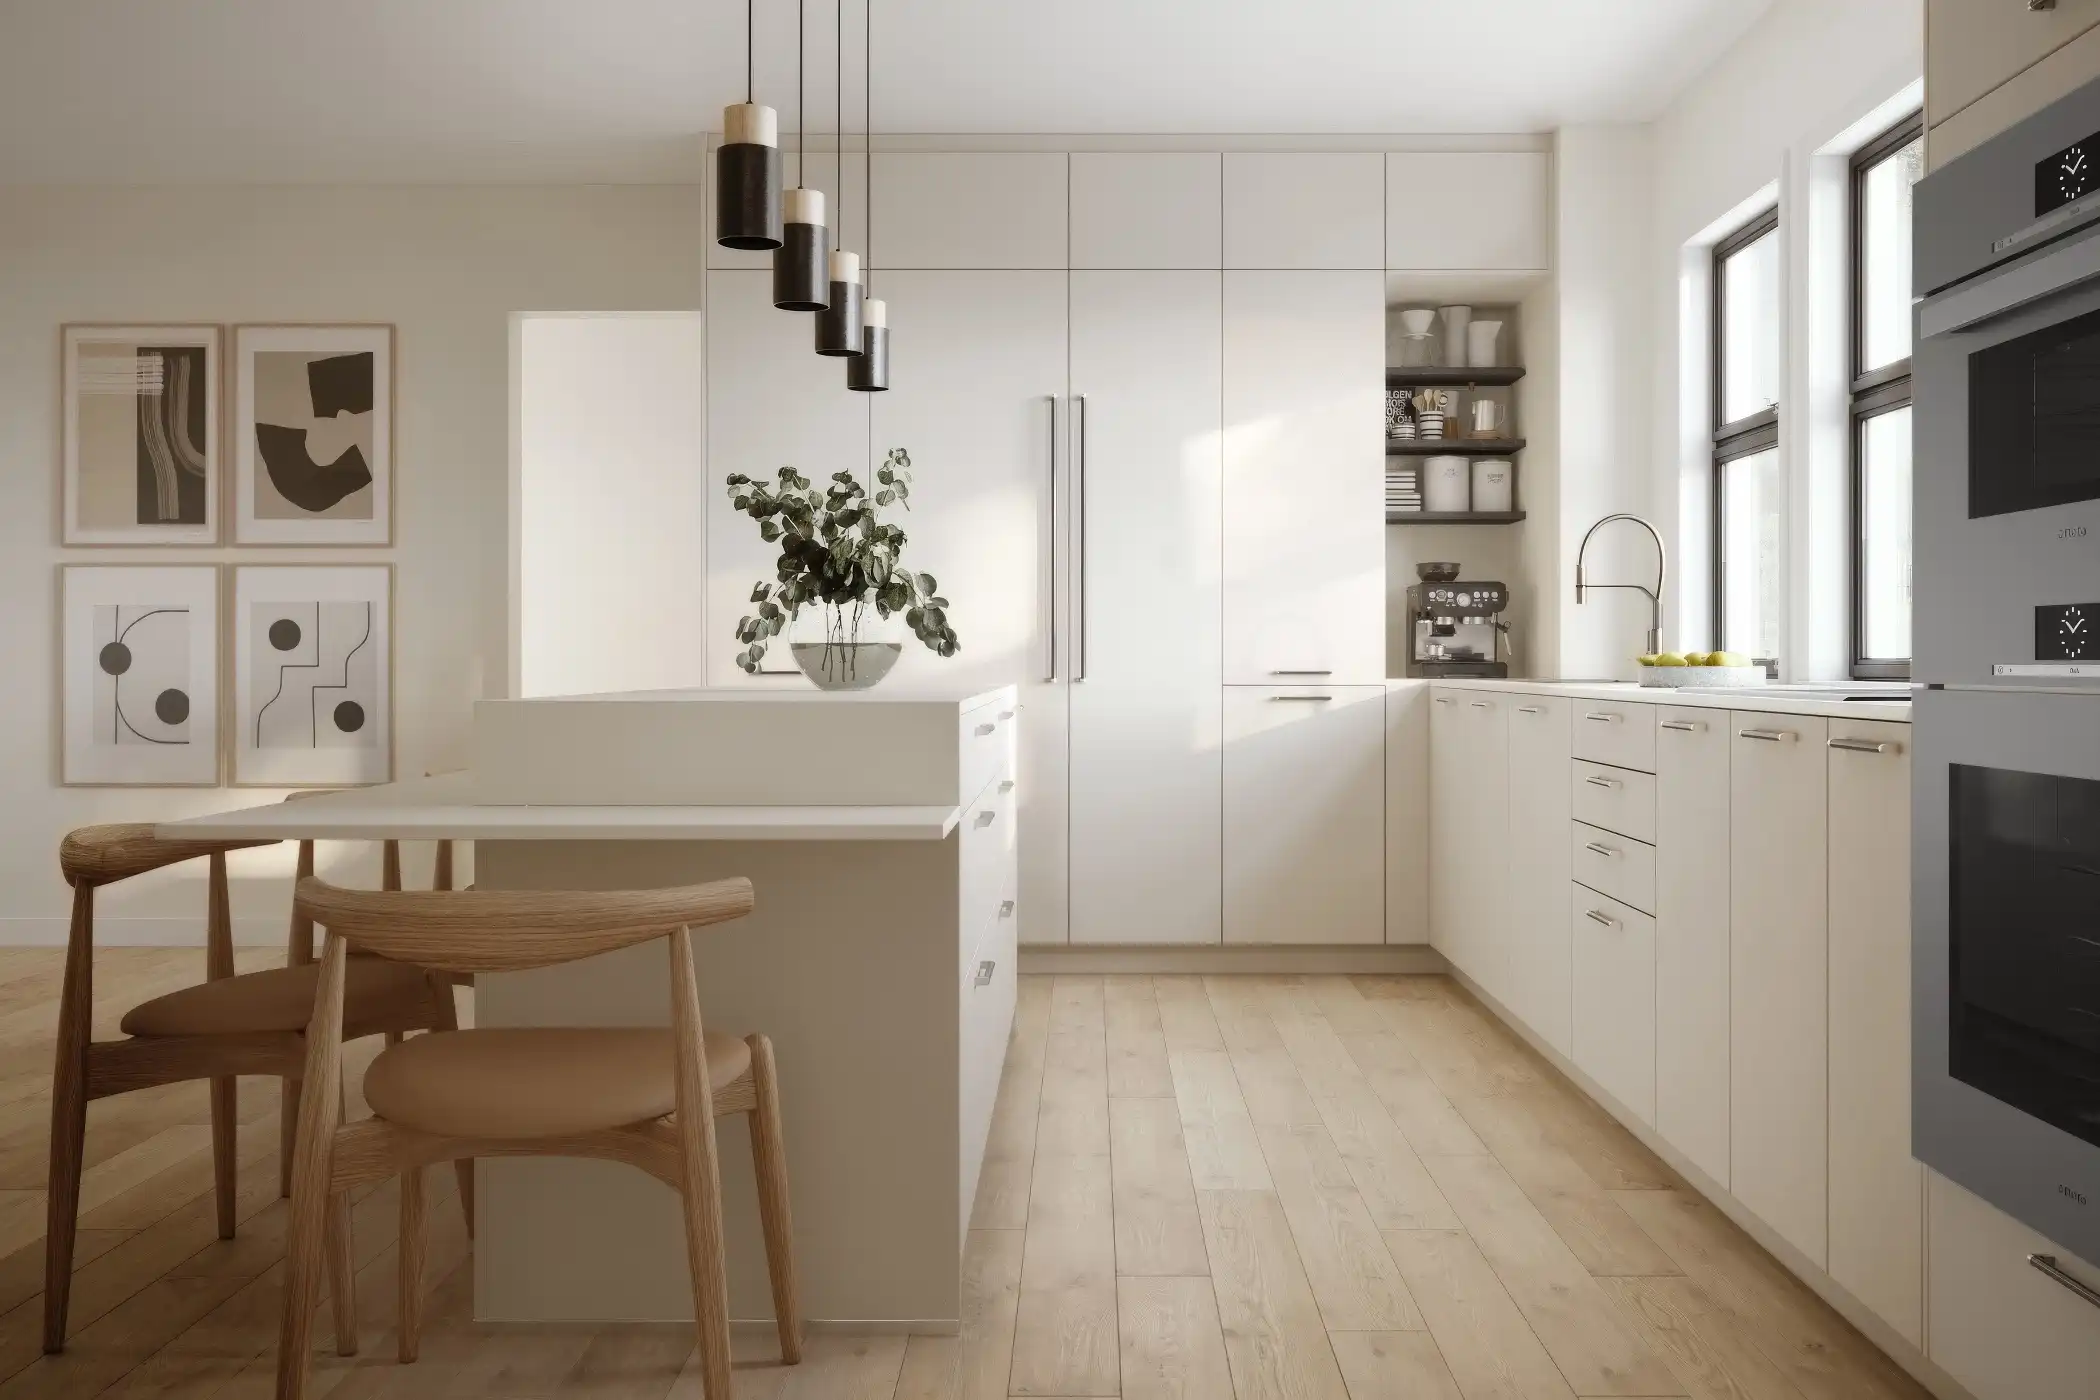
point(139, 689)
point(141, 435)
point(142, 674)
point(313, 434)
point(315, 673)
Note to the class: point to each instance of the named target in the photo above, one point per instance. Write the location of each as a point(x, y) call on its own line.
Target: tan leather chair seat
point(280, 999)
point(530, 1083)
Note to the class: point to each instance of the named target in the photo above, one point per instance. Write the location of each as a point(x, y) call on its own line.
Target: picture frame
point(313, 435)
point(311, 680)
point(139, 434)
point(138, 691)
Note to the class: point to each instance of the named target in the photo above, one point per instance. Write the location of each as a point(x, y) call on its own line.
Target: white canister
point(1494, 485)
point(1482, 348)
point(1456, 321)
point(1447, 484)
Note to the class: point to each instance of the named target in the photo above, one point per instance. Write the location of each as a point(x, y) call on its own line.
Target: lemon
point(1670, 658)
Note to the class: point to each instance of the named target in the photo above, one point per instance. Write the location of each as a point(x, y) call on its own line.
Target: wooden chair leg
point(447, 1017)
point(225, 1153)
point(342, 1275)
point(769, 1160)
point(700, 1174)
point(68, 1118)
point(287, 1134)
point(309, 1235)
point(413, 1242)
point(315, 1211)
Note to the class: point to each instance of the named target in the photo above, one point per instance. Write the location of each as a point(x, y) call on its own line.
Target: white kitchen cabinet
point(1535, 967)
point(1450, 781)
point(1469, 834)
point(2002, 1328)
point(1876, 1187)
point(974, 408)
point(1300, 210)
point(1409, 818)
point(1691, 934)
point(1614, 997)
point(1147, 209)
point(965, 209)
point(1304, 845)
point(1620, 733)
point(1778, 975)
point(771, 404)
point(1146, 699)
point(1468, 210)
point(1304, 505)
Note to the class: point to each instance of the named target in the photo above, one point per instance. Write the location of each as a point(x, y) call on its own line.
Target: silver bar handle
point(1601, 849)
point(1482, 704)
point(984, 974)
point(1769, 736)
point(2046, 1263)
point(1445, 700)
point(1685, 726)
point(1603, 716)
point(1529, 710)
point(1865, 746)
point(1599, 780)
point(1006, 785)
point(984, 730)
point(1301, 673)
point(1079, 524)
point(1006, 908)
point(986, 818)
point(1050, 592)
point(1289, 698)
point(1598, 916)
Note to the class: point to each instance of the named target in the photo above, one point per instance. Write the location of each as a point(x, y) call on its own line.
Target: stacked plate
point(1403, 488)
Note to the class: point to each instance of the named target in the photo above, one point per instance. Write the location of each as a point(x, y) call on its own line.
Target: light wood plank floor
point(1269, 1188)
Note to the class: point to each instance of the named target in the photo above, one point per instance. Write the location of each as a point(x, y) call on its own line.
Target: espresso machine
point(1456, 629)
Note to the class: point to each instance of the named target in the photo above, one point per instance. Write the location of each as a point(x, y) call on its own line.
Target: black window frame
point(1742, 437)
point(1871, 393)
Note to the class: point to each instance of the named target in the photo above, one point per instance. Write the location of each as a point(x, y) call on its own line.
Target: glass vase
point(845, 647)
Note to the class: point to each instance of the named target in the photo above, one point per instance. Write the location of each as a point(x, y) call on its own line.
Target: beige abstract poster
point(140, 454)
point(313, 411)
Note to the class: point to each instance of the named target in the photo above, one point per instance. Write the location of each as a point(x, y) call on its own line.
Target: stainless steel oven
point(2006, 771)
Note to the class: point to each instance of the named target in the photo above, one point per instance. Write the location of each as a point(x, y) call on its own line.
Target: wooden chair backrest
point(506, 930)
point(103, 855)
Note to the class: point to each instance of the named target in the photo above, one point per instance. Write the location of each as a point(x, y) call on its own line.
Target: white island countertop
point(1776, 699)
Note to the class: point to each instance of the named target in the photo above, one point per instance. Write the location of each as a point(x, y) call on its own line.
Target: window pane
point(1750, 326)
point(1884, 211)
point(1753, 551)
point(1884, 524)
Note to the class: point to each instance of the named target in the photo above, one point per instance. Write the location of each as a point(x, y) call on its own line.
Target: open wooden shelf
point(1446, 377)
point(1453, 517)
point(1452, 447)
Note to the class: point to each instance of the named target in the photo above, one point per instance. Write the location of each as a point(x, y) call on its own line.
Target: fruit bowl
point(1702, 677)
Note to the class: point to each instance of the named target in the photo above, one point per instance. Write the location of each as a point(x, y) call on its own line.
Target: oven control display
point(2067, 175)
point(2067, 632)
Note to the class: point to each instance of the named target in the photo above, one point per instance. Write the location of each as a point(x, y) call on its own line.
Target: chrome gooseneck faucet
point(1662, 565)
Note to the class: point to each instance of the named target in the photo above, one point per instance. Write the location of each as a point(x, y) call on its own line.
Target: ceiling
point(224, 91)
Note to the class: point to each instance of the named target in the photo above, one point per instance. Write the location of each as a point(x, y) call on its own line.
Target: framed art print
point(139, 435)
point(313, 652)
point(313, 436)
point(139, 675)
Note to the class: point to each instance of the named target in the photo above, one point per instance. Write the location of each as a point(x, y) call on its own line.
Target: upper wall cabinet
point(1467, 210)
point(1150, 209)
point(1971, 48)
point(1304, 211)
point(962, 210)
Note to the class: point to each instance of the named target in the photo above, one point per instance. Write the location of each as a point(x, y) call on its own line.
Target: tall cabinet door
point(1146, 765)
point(1449, 786)
point(771, 403)
point(1779, 1022)
point(1876, 1188)
point(1305, 814)
point(1484, 898)
point(975, 393)
point(1691, 934)
point(1539, 966)
point(1304, 523)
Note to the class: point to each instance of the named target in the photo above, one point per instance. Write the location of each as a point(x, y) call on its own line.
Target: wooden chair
point(647, 1097)
point(227, 1025)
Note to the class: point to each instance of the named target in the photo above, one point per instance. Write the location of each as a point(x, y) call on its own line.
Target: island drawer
point(1619, 733)
point(1617, 799)
point(1615, 865)
point(987, 856)
point(988, 738)
point(989, 986)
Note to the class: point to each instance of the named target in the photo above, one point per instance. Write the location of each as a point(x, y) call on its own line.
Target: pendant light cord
point(838, 102)
point(750, 47)
point(801, 102)
point(867, 142)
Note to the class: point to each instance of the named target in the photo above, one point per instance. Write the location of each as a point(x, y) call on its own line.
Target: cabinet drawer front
point(1611, 864)
point(988, 741)
point(987, 1017)
point(987, 873)
point(1614, 998)
point(1623, 735)
point(1617, 799)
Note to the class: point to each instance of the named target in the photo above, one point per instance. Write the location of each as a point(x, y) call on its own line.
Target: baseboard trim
point(1391, 959)
point(138, 933)
point(1897, 1347)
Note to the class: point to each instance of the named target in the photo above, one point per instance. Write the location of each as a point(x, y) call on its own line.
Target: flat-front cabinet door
point(1304, 536)
point(772, 403)
point(979, 371)
point(1779, 1020)
point(1536, 978)
point(1305, 814)
point(1147, 769)
point(1449, 852)
point(1691, 934)
point(1876, 1188)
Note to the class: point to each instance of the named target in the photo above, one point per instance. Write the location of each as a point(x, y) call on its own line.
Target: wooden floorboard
point(1196, 1188)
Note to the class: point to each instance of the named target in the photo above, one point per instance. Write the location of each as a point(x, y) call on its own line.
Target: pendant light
point(838, 324)
point(869, 372)
point(747, 165)
point(801, 264)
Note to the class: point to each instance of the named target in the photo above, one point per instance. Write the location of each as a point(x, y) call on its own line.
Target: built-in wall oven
point(2006, 769)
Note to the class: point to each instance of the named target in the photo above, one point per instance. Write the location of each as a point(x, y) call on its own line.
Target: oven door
point(2006, 427)
point(2006, 952)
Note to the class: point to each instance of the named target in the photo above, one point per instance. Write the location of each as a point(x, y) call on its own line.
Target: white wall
point(1777, 113)
point(448, 266)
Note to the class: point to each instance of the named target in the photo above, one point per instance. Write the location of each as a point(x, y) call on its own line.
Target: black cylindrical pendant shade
point(801, 264)
point(747, 178)
point(839, 323)
point(869, 371)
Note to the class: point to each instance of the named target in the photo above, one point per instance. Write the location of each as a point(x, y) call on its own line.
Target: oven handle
point(2047, 1264)
point(1973, 303)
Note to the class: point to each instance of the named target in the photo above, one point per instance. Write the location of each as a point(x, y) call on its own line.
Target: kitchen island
point(878, 831)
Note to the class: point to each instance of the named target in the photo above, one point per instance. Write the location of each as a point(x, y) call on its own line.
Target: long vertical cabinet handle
point(1050, 592)
point(1079, 526)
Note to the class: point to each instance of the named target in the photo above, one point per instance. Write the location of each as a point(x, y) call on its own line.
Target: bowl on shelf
point(1436, 572)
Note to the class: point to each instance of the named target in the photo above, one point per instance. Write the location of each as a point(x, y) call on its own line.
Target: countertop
point(445, 807)
point(1776, 700)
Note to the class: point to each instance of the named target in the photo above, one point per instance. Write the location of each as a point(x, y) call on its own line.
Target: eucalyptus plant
point(836, 553)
